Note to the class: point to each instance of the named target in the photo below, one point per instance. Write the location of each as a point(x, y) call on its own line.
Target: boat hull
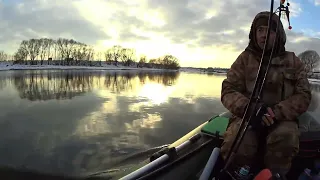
point(190, 162)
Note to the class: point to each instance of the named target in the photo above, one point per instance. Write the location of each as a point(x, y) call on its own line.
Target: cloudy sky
point(200, 33)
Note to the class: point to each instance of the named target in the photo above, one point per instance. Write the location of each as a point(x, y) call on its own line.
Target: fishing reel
point(284, 10)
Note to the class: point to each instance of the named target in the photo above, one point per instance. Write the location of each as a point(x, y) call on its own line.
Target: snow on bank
point(190, 70)
point(6, 67)
point(314, 81)
point(201, 70)
point(57, 67)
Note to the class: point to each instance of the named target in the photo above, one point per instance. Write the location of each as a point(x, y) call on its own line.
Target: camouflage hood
point(280, 39)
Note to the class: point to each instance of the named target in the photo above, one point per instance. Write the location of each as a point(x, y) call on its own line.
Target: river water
point(84, 121)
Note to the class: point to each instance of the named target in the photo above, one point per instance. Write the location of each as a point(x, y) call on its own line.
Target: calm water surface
point(83, 121)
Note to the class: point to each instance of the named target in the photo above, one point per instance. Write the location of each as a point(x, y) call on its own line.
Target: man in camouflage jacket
point(286, 94)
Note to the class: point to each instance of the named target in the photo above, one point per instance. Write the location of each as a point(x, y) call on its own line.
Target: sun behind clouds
point(200, 34)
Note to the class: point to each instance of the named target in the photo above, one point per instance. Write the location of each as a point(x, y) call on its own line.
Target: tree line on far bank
point(68, 52)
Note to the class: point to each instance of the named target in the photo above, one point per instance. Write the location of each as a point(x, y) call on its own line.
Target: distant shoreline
point(58, 67)
point(111, 68)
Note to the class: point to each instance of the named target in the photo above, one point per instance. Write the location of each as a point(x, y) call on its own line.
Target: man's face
point(261, 36)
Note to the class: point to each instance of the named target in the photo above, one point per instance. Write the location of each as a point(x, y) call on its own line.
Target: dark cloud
point(185, 22)
point(33, 19)
point(303, 45)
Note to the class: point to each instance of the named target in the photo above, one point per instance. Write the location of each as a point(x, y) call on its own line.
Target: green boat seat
point(217, 125)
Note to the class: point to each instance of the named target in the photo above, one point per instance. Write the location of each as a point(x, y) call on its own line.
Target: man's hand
point(268, 118)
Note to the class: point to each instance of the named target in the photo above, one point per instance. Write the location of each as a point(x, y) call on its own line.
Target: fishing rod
point(251, 110)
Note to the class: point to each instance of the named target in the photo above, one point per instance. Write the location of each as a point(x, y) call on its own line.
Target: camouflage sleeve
point(298, 103)
point(233, 87)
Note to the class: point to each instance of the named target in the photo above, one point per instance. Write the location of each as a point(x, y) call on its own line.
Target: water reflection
point(44, 85)
point(80, 121)
point(84, 121)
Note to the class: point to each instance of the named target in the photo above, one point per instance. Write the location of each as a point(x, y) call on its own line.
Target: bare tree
point(143, 59)
point(50, 46)
point(56, 50)
point(9, 57)
point(169, 62)
point(127, 56)
point(142, 62)
point(108, 56)
point(153, 61)
point(44, 45)
point(79, 51)
point(3, 56)
point(311, 60)
point(65, 47)
point(116, 53)
point(51, 43)
point(90, 54)
point(32, 46)
point(21, 54)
